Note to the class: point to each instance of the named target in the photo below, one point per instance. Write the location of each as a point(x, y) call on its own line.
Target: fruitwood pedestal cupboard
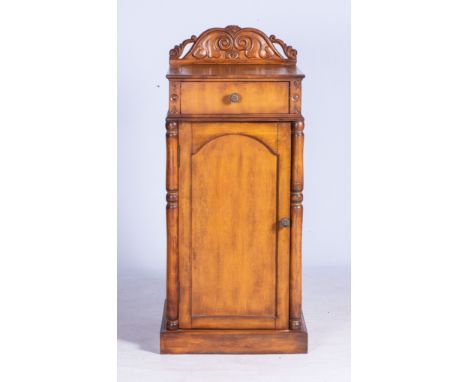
point(234, 196)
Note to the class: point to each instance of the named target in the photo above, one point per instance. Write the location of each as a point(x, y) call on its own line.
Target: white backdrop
point(147, 29)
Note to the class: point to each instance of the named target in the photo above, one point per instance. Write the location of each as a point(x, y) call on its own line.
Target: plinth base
point(217, 341)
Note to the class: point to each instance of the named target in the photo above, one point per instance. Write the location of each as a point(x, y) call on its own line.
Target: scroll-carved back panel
point(233, 45)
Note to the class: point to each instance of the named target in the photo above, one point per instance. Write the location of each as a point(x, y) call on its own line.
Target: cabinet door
point(233, 253)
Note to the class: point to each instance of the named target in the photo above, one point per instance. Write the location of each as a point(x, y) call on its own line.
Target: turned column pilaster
point(297, 185)
point(172, 187)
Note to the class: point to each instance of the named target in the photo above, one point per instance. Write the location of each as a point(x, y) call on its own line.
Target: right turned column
point(297, 185)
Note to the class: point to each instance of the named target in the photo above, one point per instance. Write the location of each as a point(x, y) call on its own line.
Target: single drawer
point(234, 97)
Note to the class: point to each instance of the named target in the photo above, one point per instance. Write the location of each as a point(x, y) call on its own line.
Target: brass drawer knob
point(234, 98)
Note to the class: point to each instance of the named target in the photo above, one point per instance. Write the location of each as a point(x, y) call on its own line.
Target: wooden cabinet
point(234, 196)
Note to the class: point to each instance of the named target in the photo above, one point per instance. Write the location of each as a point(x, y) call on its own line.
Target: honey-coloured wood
point(233, 232)
point(172, 182)
point(234, 196)
point(185, 212)
point(243, 341)
point(233, 45)
point(297, 185)
point(231, 97)
point(235, 258)
point(245, 72)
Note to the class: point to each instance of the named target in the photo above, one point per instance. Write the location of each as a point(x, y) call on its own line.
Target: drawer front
point(234, 97)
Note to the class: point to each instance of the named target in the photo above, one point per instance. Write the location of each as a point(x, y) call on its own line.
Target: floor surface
point(326, 306)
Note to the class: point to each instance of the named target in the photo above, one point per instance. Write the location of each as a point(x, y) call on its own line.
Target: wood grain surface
point(235, 179)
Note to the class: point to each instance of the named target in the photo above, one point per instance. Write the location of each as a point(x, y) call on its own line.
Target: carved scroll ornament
point(233, 45)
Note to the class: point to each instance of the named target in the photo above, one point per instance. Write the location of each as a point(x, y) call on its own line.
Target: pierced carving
point(288, 50)
point(233, 44)
point(177, 51)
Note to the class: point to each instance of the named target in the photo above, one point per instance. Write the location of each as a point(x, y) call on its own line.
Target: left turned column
point(172, 187)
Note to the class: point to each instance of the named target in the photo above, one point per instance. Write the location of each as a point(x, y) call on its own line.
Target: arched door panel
point(231, 246)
